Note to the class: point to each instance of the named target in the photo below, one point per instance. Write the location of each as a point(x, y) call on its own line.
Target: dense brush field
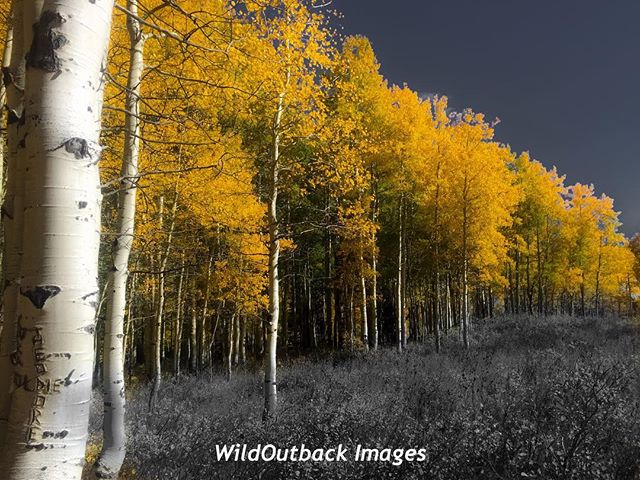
point(553, 398)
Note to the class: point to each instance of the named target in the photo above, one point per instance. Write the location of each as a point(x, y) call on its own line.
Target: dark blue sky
point(562, 75)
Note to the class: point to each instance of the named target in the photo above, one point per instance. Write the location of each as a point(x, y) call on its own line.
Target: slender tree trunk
point(202, 321)
point(598, 271)
point(517, 278)
point(374, 268)
point(270, 389)
point(157, 331)
point(229, 345)
point(193, 334)
point(465, 272)
point(328, 290)
point(351, 319)
point(582, 298)
point(114, 446)
point(243, 340)
point(539, 261)
point(438, 310)
point(365, 320)
point(529, 287)
point(629, 296)
point(374, 298)
point(236, 340)
point(48, 421)
point(177, 329)
point(399, 305)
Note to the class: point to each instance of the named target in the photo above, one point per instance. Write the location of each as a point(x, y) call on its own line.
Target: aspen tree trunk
point(285, 317)
point(193, 334)
point(465, 272)
point(365, 320)
point(374, 297)
point(436, 222)
point(351, 318)
point(202, 321)
point(330, 323)
point(157, 330)
point(48, 422)
point(598, 271)
point(236, 340)
point(312, 317)
point(517, 280)
point(582, 298)
point(243, 340)
point(629, 296)
point(374, 268)
point(97, 365)
point(12, 213)
point(228, 345)
point(270, 389)
point(177, 330)
point(126, 341)
point(148, 325)
point(529, 287)
point(539, 262)
point(114, 446)
point(399, 305)
point(129, 341)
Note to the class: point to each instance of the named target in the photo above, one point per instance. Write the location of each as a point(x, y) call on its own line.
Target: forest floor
point(553, 398)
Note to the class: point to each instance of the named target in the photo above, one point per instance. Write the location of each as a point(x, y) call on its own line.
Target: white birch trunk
point(48, 422)
point(114, 445)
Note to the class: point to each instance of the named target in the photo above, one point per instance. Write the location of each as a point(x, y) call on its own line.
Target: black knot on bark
point(40, 295)
point(78, 147)
point(7, 78)
point(12, 117)
point(46, 40)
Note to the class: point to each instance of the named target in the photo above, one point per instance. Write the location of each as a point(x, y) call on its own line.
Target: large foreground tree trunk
point(48, 421)
point(114, 448)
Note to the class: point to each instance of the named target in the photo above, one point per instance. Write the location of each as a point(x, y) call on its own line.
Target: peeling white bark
point(48, 421)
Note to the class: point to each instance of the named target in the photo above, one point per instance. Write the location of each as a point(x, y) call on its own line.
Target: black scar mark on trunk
point(78, 147)
point(40, 295)
point(46, 41)
point(7, 78)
